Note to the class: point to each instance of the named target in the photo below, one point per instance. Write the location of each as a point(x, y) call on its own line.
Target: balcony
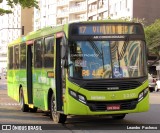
point(62, 13)
point(62, 21)
point(92, 13)
point(91, 1)
point(103, 8)
point(78, 18)
point(78, 9)
point(62, 3)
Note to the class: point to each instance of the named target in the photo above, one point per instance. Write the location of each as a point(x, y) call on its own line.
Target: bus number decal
point(82, 29)
point(129, 95)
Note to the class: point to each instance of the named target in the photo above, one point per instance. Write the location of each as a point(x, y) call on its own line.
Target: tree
point(152, 33)
point(23, 3)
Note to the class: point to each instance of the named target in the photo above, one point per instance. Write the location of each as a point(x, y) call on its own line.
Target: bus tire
point(118, 117)
point(24, 107)
point(56, 116)
point(33, 110)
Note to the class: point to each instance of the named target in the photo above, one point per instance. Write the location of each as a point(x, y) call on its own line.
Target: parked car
point(152, 82)
point(157, 87)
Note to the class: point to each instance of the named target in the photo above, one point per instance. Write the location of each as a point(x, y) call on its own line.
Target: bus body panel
point(73, 106)
point(16, 79)
point(41, 86)
point(78, 108)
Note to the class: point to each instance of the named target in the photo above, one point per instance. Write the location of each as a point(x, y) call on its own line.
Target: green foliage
point(152, 33)
point(23, 3)
point(2, 11)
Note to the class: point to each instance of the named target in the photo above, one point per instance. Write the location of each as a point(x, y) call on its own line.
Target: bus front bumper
point(75, 107)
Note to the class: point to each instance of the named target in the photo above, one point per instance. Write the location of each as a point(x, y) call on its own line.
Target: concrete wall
point(148, 9)
point(27, 19)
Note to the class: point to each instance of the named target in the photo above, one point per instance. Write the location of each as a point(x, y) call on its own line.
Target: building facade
point(138, 9)
point(27, 15)
point(9, 31)
point(10, 28)
point(59, 12)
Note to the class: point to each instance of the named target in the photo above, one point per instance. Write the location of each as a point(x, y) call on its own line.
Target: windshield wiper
point(97, 51)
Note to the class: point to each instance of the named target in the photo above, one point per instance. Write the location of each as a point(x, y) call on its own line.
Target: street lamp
point(22, 29)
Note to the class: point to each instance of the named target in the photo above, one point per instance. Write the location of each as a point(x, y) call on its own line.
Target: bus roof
point(108, 21)
point(36, 34)
point(43, 32)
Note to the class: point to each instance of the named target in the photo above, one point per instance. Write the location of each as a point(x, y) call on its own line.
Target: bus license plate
point(113, 107)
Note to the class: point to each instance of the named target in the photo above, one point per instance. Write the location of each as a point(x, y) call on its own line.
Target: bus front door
point(59, 75)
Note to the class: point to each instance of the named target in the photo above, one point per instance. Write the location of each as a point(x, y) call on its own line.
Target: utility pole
point(108, 9)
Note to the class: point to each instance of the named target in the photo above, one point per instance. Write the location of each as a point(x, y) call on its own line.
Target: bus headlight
point(142, 94)
point(77, 96)
point(72, 93)
point(82, 99)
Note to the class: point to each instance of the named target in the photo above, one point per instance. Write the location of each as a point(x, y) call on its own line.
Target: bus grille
point(110, 86)
point(102, 106)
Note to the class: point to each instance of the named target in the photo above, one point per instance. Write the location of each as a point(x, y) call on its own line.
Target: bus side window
point(23, 55)
point(38, 53)
point(16, 57)
point(49, 52)
point(10, 57)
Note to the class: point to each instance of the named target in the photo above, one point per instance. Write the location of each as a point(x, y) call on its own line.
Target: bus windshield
point(106, 59)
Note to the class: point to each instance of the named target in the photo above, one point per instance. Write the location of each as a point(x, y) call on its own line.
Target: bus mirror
point(64, 49)
point(64, 63)
point(63, 52)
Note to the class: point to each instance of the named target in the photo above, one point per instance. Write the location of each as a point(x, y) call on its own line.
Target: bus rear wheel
point(24, 107)
point(119, 117)
point(56, 116)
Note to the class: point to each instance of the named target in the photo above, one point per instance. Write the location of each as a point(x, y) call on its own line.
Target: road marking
point(9, 104)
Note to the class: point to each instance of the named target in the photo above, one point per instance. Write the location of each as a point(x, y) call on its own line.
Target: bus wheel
point(56, 116)
point(118, 117)
point(24, 107)
point(33, 110)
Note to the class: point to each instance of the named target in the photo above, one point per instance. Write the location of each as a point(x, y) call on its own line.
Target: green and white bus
point(85, 68)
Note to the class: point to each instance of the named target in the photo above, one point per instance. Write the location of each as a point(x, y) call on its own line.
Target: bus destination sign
point(106, 29)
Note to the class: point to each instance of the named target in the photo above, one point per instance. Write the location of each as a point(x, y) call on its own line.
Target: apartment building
point(10, 28)
point(46, 15)
point(27, 20)
point(59, 12)
point(141, 9)
point(9, 31)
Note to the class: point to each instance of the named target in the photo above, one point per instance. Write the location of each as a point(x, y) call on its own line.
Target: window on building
point(126, 3)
